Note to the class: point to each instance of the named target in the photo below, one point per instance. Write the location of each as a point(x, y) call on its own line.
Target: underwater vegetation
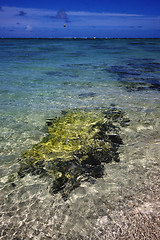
point(78, 144)
point(138, 75)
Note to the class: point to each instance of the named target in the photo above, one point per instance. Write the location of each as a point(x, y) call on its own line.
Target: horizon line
point(84, 38)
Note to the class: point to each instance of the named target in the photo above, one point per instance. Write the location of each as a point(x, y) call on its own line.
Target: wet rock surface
point(77, 146)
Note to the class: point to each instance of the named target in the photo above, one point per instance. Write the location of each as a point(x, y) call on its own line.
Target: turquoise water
point(41, 77)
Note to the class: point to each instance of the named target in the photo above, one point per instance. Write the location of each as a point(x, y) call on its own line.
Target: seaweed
point(77, 146)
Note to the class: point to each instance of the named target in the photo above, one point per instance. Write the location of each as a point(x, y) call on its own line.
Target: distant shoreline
point(81, 38)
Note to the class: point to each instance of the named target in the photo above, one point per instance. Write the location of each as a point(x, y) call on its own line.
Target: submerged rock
point(77, 145)
point(138, 75)
point(87, 95)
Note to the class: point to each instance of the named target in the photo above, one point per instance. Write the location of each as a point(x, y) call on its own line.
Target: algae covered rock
point(77, 144)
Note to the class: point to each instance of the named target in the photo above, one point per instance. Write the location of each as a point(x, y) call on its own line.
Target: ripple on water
point(39, 78)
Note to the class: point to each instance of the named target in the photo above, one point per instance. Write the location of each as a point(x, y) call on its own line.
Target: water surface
point(39, 78)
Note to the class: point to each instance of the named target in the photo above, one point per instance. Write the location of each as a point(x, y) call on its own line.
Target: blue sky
point(84, 18)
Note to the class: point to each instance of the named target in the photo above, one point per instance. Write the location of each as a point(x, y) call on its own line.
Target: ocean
point(40, 79)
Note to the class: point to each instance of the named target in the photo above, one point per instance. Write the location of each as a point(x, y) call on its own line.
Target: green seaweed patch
point(77, 145)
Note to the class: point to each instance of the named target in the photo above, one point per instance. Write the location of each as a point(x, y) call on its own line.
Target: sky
point(81, 18)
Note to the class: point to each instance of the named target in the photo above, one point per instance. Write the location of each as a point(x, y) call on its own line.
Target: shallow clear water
point(41, 77)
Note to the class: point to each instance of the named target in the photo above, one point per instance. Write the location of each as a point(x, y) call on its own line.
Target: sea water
point(40, 78)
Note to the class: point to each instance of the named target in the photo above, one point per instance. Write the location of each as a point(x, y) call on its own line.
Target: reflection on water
point(41, 78)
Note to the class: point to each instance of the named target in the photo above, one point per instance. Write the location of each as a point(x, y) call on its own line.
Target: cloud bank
point(30, 22)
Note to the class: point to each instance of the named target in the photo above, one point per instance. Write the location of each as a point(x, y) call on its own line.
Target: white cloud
point(103, 14)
